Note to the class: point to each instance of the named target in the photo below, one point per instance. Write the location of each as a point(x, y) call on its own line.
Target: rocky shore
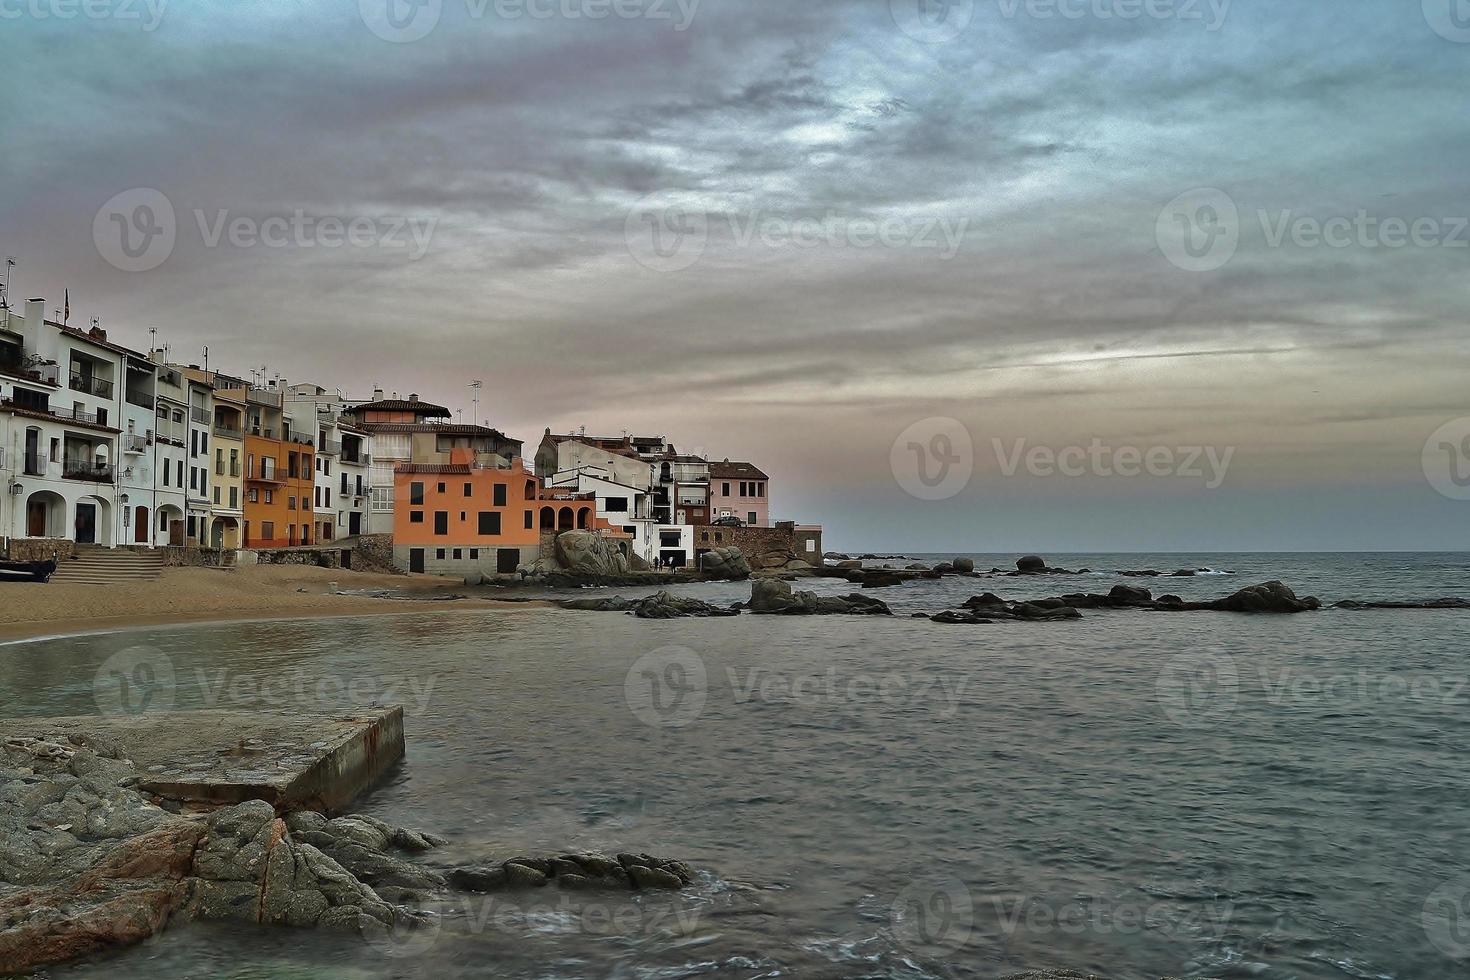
point(89, 862)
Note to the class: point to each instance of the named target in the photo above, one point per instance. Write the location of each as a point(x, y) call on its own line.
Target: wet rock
point(963, 565)
point(654, 878)
point(590, 555)
point(1272, 597)
point(1129, 593)
point(579, 872)
point(666, 606)
point(1448, 603)
point(774, 597)
point(1031, 565)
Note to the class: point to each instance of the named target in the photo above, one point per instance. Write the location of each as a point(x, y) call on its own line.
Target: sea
point(1133, 794)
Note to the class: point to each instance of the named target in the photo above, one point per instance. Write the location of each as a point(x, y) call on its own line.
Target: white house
point(343, 483)
point(170, 454)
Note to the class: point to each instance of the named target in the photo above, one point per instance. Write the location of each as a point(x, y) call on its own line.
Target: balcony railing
point(89, 385)
point(263, 432)
point(331, 447)
point(228, 431)
point(199, 415)
point(135, 444)
point(35, 464)
point(140, 398)
point(360, 459)
point(83, 469)
point(76, 415)
point(267, 476)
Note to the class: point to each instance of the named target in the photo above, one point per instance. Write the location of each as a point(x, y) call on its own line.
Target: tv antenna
point(5, 287)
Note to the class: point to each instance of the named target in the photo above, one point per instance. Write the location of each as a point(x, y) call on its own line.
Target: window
point(530, 520)
point(617, 505)
point(458, 554)
point(166, 479)
point(441, 522)
point(489, 522)
point(268, 529)
point(416, 517)
point(216, 497)
point(253, 495)
point(500, 494)
point(442, 488)
point(270, 498)
point(439, 554)
point(474, 554)
point(752, 520)
point(234, 497)
point(416, 494)
point(469, 489)
point(219, 462)
point(290, 503)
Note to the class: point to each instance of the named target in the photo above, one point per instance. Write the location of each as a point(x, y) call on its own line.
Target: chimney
point(413, 397)
point(35, 322)
point(377, 393)
point(97, 333)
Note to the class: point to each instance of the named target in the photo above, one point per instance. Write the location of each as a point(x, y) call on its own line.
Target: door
point(176, 533)
point(86, 523)
point(416, 561)
point(140, 526)
point(36, 519)
point(507, 560)
point(354, 523)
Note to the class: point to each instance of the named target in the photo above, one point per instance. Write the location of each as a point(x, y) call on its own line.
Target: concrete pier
point(220, 758)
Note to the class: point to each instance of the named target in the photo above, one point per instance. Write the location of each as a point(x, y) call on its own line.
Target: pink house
point(739, 490)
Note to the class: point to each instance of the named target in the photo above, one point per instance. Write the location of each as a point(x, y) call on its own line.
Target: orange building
point(460, 518)
point(280, 475)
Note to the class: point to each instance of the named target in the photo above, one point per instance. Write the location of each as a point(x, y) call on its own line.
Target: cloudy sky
point(948, 270)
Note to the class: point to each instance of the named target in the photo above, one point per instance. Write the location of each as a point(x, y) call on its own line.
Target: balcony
point(300, 439)
point(358, 459)
point(140, 398)
point(267, 476)
point(135, 444)
point(199, 415)
point(89, 385)
point(35, 464)
point(331, 447)
point(85, 469)
point(76, 415)
point(228, 431)
point(263, 432)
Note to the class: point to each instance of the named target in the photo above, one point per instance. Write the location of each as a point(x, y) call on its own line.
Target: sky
point(969, 275)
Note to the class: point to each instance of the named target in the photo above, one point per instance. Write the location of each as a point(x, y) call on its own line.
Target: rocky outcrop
point(1270, 597)
point(91, 863)
point(774, 597)
point(963, 566)
point(590, 555)
point(579, 872)
point(661, 605)
point(1448, 603)
point(1031, 565)
point(725, 563)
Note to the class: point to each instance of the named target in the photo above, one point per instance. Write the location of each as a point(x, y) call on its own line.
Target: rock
point(943, 568)
point(521, 876)
point(473, 579)
point(607, 604)
point(481, 880)
point(590, 555)
point(881, 580)
point(1031, 565)
point(965, 565)
point(849, 563)
point(1449, 603)
point(666, 606)
point(725, 563)
point(772, 596)
point(1128, 593)
point(1272, 597)
point(654, 878)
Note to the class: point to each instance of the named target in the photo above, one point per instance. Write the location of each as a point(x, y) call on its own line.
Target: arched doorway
point(92, 520)
point(224, 535)
point(565, 520)
point(170, 526)
point(548, 518)
point(582, 513)
point(45, 515)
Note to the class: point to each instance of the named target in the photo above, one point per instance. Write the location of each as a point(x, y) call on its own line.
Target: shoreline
point(202, 597)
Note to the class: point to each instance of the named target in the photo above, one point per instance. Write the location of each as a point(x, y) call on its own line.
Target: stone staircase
point(109, 566)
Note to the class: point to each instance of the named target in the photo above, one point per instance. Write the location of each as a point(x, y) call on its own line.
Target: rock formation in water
point(578, 872)
point(1271, 597)
point(773, 597)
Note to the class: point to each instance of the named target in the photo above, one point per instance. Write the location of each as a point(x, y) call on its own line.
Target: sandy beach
point(201, 595)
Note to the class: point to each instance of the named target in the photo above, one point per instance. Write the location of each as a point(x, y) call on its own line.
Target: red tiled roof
point(399, 405)
point(427, 469)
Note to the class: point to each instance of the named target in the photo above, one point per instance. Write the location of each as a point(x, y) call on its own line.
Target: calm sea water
point(1134, 794)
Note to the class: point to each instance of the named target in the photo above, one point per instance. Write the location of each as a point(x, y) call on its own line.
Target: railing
point(331, 447)
point(198, 414)
point(35, 464)
point(75, 415)
point(234, 469)
point(81, 469)
point(170, 432)
point(267, 476)
point(89, 385)
point(228, 431)
point(361, 459)
point(300, 439)
point(263, 432)
point(140, 398)
point(135, 444)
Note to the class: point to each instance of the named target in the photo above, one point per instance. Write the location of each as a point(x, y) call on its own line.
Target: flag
point(66, 314)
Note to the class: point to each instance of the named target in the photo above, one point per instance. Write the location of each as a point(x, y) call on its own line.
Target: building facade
point(459, 517)
point(739, 490)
